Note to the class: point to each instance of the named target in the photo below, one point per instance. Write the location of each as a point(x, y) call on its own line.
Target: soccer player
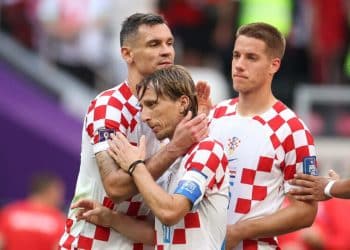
point(320, 188)
point(265, 142)
point(146, 45)
point(191, 208)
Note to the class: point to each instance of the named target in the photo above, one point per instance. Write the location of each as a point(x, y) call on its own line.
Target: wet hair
point(131, 25)
point(273, 38)
point(172, 82)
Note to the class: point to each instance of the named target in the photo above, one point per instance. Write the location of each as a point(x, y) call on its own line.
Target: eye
point(170, 43)
point(235, 55)
point(252, 57)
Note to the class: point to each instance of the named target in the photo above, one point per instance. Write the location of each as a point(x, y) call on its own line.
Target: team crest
point(232, 145)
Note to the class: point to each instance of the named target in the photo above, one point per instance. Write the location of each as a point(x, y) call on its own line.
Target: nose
point(167, 49)
point(238, 64)
point(145, 115)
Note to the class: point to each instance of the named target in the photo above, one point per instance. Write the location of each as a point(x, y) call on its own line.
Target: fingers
point(304, 197)
point(304, 176)
point(333, 175)
point(301, 182)
point(187, 117)
point(203, 89)
point(200, 118)
point(199, 127)
point(92, 212)
point(84, 203)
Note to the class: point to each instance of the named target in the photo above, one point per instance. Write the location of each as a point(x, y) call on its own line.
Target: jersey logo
point(309, 165)
point(232, 144)
point(104, 134)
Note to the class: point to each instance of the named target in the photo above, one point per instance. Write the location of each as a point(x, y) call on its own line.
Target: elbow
point(168, 218)
point(115, 192)
point(310, 215)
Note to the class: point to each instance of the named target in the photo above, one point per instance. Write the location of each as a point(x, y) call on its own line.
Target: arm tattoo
point(105, 164)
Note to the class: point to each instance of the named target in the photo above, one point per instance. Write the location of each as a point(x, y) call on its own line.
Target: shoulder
point(289, 116)
point(114, 97)
point(224, 108)
point(207, 150)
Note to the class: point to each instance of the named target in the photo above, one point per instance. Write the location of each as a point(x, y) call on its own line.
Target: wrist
point(174, 150)
point(328, 187)
point(134, 165)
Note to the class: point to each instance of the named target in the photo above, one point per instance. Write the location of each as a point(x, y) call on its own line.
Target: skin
point(151, 49)
point(97, 214)
point(312, 187)
point(162, 115)
point(252, 72)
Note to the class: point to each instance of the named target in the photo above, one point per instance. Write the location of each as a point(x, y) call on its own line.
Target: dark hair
point(40, 182)
point(273, 38)
point(173, 82)
point(132, 23)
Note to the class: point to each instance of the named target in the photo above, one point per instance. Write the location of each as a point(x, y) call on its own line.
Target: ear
point(184, 103)
point(127, 54)
point(275, 65)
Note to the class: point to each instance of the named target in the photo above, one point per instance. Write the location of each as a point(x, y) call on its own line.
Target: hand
point(203, 96)
point(93, 212)
point(310, 187)
point(332, 175)
point(188, 132)
point(123, 152)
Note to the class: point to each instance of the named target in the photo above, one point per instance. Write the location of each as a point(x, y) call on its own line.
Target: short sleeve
point(112, 111)
point(205, 169)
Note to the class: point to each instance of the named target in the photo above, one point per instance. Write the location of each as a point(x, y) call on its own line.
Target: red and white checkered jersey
point(113, 110)
point(201, 175)
point(264, 152)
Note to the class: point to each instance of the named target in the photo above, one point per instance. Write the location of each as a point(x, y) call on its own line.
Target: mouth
point(239, 76)
point(154, 128)
point(165, 63)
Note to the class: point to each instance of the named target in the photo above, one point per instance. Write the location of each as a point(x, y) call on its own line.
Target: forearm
point(166, 207)
point(162, 160)
point(117, 183)
point(294, 217)
point(341, 189)
point(135, 230)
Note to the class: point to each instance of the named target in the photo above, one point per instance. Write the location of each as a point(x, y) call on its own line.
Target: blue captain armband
point(190, 190)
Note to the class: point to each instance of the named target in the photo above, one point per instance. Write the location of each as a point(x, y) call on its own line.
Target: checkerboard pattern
point(114, 109)
point(271, 150)
point(96, 237)
point(191, 232)
point(208, 158)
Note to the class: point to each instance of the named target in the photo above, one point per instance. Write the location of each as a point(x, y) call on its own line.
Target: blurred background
point(56, 55)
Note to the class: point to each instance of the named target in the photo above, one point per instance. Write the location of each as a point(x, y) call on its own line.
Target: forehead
point(246, 44)
point(150, 94)
point(154, 32)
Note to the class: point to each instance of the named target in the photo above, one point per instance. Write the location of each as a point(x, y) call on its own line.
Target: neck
point(133, 79)
point(40, 200)
point(255, 103)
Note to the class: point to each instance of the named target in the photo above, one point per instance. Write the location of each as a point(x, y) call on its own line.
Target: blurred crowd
point(82, 36)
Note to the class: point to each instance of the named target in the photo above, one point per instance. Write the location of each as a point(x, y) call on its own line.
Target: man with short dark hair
point(146, 45)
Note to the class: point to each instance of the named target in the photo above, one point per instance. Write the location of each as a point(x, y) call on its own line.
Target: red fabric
point(332, 223)
point(25, 225)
